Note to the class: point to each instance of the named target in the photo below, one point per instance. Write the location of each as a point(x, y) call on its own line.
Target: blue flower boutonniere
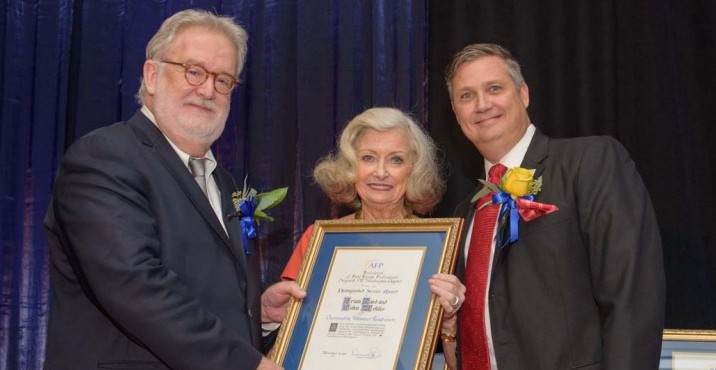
point(250, 207)
point(516, 192)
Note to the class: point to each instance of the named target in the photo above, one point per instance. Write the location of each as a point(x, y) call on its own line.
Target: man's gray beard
point(198, 132)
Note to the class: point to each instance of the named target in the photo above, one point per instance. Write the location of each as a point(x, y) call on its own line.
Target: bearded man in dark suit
point(582, 287)
point(148, 268)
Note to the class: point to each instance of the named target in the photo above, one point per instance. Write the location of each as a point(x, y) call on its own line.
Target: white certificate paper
point(364, 308)
point(693, 361)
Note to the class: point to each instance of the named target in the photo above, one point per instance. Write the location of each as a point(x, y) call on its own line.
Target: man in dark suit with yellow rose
point(578, 283)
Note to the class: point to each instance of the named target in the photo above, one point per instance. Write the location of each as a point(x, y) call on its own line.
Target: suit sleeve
point(104, 214)
point(618, 223)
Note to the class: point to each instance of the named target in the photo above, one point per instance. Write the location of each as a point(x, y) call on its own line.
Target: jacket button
point(251, 314)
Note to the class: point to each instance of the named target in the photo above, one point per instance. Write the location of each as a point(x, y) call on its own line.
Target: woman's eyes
point(396, 159)
point(367, 158)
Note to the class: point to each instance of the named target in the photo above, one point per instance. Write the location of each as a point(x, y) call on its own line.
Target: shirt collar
point(514, 157)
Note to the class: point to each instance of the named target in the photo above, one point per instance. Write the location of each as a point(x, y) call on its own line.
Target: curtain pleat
point(33, 94)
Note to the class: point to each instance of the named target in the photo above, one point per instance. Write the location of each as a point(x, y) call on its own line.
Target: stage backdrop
point(71, 66)
point(641, 71)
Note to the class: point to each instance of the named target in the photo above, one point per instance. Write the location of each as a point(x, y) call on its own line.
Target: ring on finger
point(455, 304)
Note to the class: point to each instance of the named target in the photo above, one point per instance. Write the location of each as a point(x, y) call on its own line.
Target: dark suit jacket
point(582, 288)
point(143, 275)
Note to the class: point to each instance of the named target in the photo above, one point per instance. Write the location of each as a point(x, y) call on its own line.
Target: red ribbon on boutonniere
point(530, 210)
point(516, 193)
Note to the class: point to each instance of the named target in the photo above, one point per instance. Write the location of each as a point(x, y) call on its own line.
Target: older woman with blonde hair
point(385, 168)
point(423, 187)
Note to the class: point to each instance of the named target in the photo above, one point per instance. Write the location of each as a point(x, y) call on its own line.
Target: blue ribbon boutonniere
point(247, 222)
point(250, 206)
point(509, 209)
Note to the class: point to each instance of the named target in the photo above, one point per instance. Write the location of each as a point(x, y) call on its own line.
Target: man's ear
point(525, 94)
point(151, 72)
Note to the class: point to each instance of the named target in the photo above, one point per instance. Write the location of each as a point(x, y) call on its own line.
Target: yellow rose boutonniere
point(516, 182)
point(519, 182)
point(516, 194)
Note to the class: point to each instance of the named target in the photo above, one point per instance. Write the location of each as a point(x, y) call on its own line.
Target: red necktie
point(474, 351)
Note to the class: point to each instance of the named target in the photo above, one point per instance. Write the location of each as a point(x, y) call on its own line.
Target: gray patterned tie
point(197, 166)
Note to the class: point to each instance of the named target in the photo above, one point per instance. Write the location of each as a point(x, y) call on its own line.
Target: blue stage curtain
point(71, 66)
point(34, 58)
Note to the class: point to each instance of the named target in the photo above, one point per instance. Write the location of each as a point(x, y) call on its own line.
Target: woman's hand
point(451, 295)
point(450, 292)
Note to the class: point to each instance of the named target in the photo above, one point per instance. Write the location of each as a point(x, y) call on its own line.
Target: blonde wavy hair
point(336, 173)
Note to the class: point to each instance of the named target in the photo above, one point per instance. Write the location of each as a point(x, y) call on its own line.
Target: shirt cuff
point(268, 327)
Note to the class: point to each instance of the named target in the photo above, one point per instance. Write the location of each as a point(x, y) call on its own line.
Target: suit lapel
point(248, 264)
point(231, 220)
point(534, 159)
point(150, 135)
point(536, 153)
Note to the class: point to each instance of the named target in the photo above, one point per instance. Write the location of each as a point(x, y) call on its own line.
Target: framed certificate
point(688, 350)
point(368, 303)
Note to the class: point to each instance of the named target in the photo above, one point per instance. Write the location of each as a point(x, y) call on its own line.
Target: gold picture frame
point(368, 302)
point(688, 349)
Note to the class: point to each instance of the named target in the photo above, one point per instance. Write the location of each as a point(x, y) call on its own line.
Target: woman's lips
point(380, 187)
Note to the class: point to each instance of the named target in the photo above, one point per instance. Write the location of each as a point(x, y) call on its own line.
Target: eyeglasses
point(196, 75)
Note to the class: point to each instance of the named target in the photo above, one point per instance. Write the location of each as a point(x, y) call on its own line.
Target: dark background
point(643, 71)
